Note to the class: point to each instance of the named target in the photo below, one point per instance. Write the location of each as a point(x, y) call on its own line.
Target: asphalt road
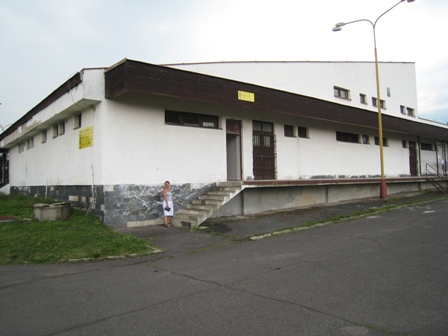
point(382, 275)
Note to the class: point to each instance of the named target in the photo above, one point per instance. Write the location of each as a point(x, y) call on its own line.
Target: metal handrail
point(433, 171)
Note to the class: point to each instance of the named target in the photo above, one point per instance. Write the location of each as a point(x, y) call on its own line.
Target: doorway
point(263, 142)
point(233, 149)
point(413, 161)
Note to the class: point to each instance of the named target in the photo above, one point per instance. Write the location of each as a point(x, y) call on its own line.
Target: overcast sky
point(44, 42)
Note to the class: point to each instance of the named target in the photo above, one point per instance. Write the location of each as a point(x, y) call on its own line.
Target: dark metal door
point(263, 142)
point(413, 161)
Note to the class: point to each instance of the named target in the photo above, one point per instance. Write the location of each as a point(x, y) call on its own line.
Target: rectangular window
point(375, 103)
point(61, 128)
point(411, 112)
point(302, 132)
point(365, 139)
point(426, 146)
point(261, 126)
point(55, 131)
point(377, 141)
point(341, 93)
point(403, 109)
point(347, 137)
point(30, 143)
point(363, 98)
point(190, 119)
point(44, 136)
point(289, 131)
point(21, 147)
point(77, 122)
point(405, 144)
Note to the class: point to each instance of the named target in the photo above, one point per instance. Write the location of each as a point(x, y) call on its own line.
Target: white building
point(291, 133)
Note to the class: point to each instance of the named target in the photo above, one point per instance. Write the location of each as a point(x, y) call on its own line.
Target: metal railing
point(432, 175)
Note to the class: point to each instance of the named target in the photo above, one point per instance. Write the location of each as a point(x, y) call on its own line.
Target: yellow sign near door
point(246, 96)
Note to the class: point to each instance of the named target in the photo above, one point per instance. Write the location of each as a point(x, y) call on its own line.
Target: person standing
point(167, 204)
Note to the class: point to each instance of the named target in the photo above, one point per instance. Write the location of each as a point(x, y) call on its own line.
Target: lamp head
point(338, 26)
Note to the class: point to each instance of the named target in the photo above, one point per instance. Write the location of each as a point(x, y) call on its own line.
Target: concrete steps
point(206, 205)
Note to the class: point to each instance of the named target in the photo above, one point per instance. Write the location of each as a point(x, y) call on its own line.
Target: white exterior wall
point(141, 149)
point(322, 155)
point(317, 79)
point(58, 161)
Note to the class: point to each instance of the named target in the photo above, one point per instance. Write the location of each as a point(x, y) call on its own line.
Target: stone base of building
point(141, 205)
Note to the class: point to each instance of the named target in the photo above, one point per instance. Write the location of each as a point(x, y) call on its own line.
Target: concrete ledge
point(52, 212)
point(333, 181)
point(276, 195)
point(150, 222)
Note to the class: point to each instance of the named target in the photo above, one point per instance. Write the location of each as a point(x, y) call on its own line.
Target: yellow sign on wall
point(247, 96)
point(86, 137)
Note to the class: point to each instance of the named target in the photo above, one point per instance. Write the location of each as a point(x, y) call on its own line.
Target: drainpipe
point(419, 157)
point(93, 194)
point(437, 157)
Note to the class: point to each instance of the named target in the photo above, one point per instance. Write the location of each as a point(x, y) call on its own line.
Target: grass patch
point(19, 205)
point(81, 236)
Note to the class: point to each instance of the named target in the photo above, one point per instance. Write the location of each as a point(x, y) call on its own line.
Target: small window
point(44, 136)
point(21, 147)
point(388, 92)
point(289, 131)
point(365, 139)
point(30, 143)
point(190, 119)
point(377, 141)
point(265, 127)
point(411, 112)
point(405, 144)
point(209, 121)
point(426, 146)
point(375, 103)
point(77, 122)
point(302, 132)
point(55, 131)
point(403, 109)
point(363, 98)
point(347, 137)
point(341, 93)
point(61, 128)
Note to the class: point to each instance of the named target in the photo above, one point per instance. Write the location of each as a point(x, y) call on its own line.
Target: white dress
point(169, 196)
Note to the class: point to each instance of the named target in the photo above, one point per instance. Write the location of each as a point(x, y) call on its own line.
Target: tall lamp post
point(338, 27)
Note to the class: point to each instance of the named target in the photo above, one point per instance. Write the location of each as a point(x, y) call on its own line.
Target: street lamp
point(338, 27)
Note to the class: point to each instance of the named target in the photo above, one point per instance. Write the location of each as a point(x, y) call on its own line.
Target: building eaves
point(282, 62)
point(129, 76)
point(74, 81)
